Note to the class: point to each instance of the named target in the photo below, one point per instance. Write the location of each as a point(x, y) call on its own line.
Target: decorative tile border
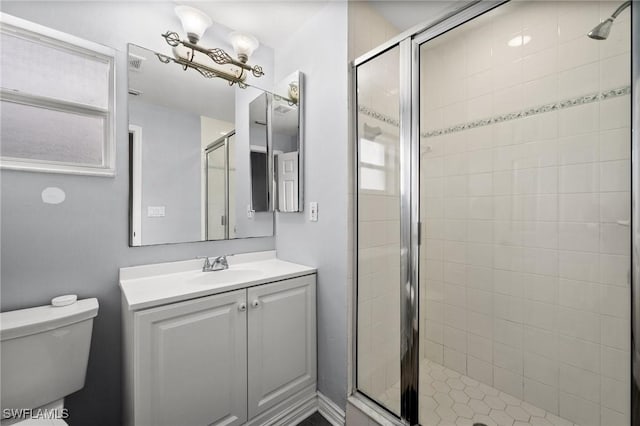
point(567, 103)
point(378, 116)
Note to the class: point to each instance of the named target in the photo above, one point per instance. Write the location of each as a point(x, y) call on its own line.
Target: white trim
point(377, 415)
point(47, 36)
point(136, 185)
point(300, 407)
point(22, 24)
point(31, 166)
point(289, 412)
point(330, 411)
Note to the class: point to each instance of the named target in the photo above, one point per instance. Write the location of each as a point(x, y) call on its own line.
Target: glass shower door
point(216, 162)
point(378, 219)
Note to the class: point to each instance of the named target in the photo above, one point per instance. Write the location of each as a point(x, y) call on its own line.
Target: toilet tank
point(44, 352)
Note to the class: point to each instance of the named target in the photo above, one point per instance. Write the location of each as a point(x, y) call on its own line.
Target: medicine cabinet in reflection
point(261, 166)
point(276, 147)
point(286, 118)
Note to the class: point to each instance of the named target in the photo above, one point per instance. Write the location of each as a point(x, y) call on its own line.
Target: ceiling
point(272, 22)
point(404, 14)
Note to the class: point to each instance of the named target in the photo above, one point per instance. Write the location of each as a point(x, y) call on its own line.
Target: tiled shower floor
point(448, 398)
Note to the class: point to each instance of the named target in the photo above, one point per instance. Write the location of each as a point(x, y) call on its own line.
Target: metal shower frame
point(409, 48)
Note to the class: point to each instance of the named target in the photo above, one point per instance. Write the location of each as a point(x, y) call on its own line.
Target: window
point(57, 100)
point(372, 165)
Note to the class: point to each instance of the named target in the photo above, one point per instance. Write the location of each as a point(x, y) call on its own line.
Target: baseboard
point(297, 408)
point(330, 411)
point(290, 411)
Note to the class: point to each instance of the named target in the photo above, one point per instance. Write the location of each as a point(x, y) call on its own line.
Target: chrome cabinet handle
point(255, 303)
point(242, 307)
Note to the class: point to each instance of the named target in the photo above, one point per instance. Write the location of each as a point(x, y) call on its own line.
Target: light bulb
point(194, 22)
point(243, 44)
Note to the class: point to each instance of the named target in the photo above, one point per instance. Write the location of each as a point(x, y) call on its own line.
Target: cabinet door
point(191, 362)
point(282, 341)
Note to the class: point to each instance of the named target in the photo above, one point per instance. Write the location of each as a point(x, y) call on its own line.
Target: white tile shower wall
point(378, 277)
point(524, 266)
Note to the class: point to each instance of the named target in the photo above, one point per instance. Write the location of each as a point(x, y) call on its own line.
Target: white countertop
point(147, 286)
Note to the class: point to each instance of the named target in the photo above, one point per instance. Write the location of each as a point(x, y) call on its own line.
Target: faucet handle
point(207, 261)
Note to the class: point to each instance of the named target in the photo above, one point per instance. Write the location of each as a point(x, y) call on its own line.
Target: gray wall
point(78, 246)
point(170, 171)
point(320, 51)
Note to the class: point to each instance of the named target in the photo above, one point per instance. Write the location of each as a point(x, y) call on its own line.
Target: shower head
point(601, 31)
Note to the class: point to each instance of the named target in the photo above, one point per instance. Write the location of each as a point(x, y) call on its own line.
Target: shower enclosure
point(219, 183)
point(494, 219)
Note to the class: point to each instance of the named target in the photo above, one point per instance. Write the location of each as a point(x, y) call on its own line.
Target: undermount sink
point(225, 276)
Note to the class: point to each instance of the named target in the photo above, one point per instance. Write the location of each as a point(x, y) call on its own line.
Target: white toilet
point(43, 354)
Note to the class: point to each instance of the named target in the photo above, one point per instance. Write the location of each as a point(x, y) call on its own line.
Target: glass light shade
point(194, 22)
point(243, 44)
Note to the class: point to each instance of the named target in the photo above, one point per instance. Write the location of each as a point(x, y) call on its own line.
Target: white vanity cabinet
point(233, 358)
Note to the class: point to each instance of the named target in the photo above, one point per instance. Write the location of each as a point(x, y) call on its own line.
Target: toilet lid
point(23, 322)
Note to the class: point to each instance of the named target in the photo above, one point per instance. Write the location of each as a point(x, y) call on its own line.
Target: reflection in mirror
point(288, 144)
point(190, 156)
point(220, 202)
point(259, 153)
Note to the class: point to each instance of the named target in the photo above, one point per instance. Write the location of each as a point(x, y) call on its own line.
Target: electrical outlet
point(155, 211)
point(313, 211)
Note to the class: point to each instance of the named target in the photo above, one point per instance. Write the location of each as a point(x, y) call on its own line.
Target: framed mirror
point(196, 171)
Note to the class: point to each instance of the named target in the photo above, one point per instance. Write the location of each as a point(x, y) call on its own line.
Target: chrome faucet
point(217, 264)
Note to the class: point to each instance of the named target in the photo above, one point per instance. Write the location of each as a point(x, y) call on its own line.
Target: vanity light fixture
point(195, 23)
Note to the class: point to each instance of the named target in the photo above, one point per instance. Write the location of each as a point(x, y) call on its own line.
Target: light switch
point(313, 211)
point(155, 211)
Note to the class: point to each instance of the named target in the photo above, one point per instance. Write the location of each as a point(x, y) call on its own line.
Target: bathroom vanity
point(228, 347)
